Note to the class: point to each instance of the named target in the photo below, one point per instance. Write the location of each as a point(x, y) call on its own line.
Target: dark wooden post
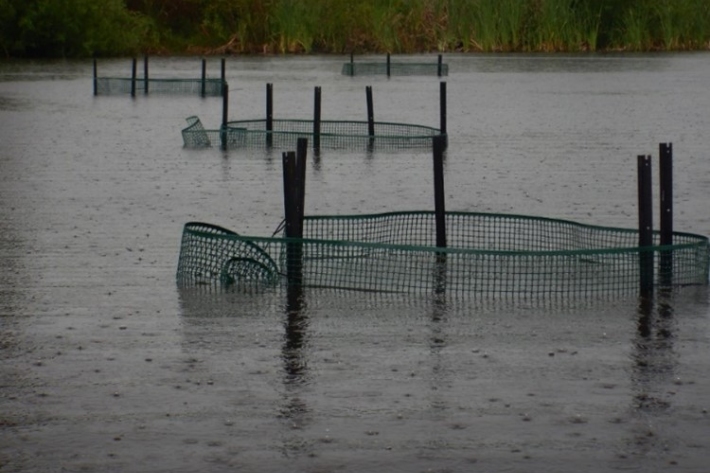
point(96, 78)
point(439, 66)
point(225, 115)
point(442, 113)
point(316, 120)
point(294, 173)
point(223, 70)
point(145, 74)
point(370, 112)
point(439, 195)
point(388, 64)
point(645, 203)
point(133, 78)
point(203, 84)
point(666, 217)
point(352, 65)
point(269, 114)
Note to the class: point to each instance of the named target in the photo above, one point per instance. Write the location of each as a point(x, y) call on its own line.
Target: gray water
point(106, 366)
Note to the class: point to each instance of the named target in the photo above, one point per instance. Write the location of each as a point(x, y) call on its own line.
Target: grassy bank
point(112, 27)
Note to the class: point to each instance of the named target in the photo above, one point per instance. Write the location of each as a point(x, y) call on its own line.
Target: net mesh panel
point(488, 255)
point(210, 253)
point(334, 134)
point(396, 69)
point(121, 85)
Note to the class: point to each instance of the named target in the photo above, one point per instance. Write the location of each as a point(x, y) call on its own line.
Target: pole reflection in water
point(295, 410)
point(654, 364)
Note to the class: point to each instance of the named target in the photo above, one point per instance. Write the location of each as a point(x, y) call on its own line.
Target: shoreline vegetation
point(86, 28)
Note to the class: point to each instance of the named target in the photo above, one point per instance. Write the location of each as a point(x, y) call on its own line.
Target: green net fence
point(488, 256)
point(120, 85)
point(334, 134)
point(395, 69)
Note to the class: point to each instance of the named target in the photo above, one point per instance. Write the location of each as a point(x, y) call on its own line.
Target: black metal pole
point(145, 74)
point(442, 113)
point(352, 65)
point(96, 78)
point(203, 92)
point(370, 112)
point(269, 114)
point(388, 64)
point(666, 217)
point(439, 196)
point(316, 120)
point(225, 115)
point(645, 207)
point(439, 66)
point(133, 78)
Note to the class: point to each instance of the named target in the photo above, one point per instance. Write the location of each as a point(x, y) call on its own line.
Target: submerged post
point(269, 114)
point(439, 196)
point(96, 79)
point(666, 218)
point(439, 66)
point(316, 120)
point(370, 112)
point(645, 207)
point(225, 115)
point(133, 78)
point(442, 112)
point(294, 173)
point(203, 82)
point(145, 74)
point(388, 64)
point(352, 64)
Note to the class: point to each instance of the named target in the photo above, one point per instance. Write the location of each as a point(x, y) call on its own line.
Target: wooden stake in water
point(370, 112)
point(225, 115)
point(203, 91)
point(439, 195)
point(439, 66)
point(96, 79)
point(388, 64)
point(442, 112)
point(316, 119)
point(666, 211)
point(352, 65)
point(145, 74)
point(645, 208)
point(294, 174)
point(269, 115)
point(133, 78)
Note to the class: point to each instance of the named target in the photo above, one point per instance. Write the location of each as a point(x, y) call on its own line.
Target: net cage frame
point(489, 256)
point(394, 69)
point(334, 134)
point(208, 87)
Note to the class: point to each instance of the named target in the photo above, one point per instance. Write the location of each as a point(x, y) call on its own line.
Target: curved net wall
point(395, 69)
point(334, 134)
point(489, 255)
point(121, 85)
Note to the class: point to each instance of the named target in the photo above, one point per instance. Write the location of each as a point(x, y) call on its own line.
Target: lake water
point(107, 366)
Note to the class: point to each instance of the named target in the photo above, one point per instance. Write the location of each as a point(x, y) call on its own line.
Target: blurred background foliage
point(84, 28)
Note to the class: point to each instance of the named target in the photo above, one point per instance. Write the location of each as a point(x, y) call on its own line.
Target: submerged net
point(488, 255)
point(334, 134)
point(120, 85)
point(395, 69)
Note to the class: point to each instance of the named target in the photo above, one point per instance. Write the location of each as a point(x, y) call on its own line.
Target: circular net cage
point(328, 134)
point(488, 256)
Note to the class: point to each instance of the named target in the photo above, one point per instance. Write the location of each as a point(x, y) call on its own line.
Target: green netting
point(121, 85)
point(395, 69)
point(334, 134)
point(488, 255)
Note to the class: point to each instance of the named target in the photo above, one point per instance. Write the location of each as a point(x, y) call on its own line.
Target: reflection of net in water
point(334, 134)
point(489, 255)
point(121, 85)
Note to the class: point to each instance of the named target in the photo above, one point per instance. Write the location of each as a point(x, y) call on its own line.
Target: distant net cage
point(488, 256)
point(394, 69)
point(124, 85)
point(334, 134)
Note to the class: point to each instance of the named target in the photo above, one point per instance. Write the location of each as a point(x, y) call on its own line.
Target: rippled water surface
point(107, 366)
